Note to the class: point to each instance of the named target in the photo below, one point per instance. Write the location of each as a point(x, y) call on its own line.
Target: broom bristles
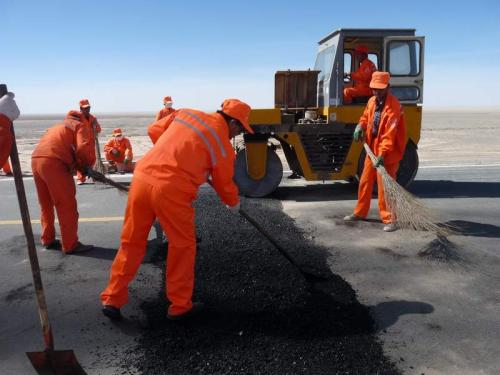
point(406, 210)
point(99, 177)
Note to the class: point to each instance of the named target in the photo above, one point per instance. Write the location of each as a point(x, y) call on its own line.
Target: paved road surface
point(434, 316)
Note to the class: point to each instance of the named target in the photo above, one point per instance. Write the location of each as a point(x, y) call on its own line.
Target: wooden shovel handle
point(28, 232)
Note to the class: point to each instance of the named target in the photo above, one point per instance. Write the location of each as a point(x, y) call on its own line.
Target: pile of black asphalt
point(261, 316)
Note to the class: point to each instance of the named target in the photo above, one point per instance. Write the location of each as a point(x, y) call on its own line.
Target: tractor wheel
point(266, 185)
point(408, 166)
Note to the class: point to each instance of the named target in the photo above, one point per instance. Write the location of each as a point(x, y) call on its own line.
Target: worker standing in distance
point(361, 77)
point(61, 149)
point(118, 151)
point(194, 149)
point(167, 109)
point(95, 128)
point(383, 126)
point(8, 113)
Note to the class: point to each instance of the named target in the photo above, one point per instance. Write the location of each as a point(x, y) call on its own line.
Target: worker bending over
point(8, 113)
point(61, 149)
point(95, 128)
point(195, 147)
point(382, 125)
point(118, 151)
point(167, 109)
point(361, 77)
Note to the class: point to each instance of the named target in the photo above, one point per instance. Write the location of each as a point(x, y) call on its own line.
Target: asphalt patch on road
point(262, 316)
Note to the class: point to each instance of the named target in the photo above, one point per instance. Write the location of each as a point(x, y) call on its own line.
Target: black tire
point(408, 166)
point(258, 188)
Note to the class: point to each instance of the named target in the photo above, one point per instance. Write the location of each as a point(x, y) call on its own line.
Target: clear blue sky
point(126, 55)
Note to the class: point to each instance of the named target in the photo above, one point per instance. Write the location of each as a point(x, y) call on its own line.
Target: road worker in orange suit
point(361, 78)
point(95, 128)
point(62, 148)
point(167, 109)
point(8, 113)
point(194, 149)
point(382, 125)
point(118, 152)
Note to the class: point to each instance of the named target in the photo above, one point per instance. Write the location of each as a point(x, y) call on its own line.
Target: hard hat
point(361, 48)
point(74, 115)
point(117, 132)
point(380, 80)
point(167, 99)
point(84, 103)
point(238, 110)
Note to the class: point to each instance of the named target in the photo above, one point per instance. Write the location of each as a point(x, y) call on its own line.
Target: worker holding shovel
point(8, 113)
point(62, 148)
point(383, 128)
point(166, 180)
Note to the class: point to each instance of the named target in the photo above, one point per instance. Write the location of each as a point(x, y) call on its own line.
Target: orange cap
point(238, 110)
point(361, 48)
point(84, 103)
point(380, 80)
point(167, 99)
point(117, 132)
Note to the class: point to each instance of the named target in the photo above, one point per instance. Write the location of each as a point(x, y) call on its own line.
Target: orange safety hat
point(361, 48)
point(167, 99)
point(84, 103)
point(380, 80)
point(117, 132)
point(238, 110)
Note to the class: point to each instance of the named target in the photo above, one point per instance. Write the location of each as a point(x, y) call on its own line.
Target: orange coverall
point(390, 143)
point(5, 138)
point(123, 146)
point(157, 128)
point(164, 186)
point(361, 78)
point(164, 112)
point(62, 148)
point(6, 167)
point(90, 122)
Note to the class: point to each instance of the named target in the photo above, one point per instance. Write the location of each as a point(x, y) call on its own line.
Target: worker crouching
point(194, 149)
point(62, 148)
point(118, 151)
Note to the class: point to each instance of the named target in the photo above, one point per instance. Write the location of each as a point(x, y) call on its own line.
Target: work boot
point(195, 310)
point(80, 248)
point(390, 227)
point(112, 312)
point(294, 176)
point(54, 245)
point(352, 217)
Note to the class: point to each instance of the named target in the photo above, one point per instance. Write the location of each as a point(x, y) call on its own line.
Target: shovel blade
point(56, 362)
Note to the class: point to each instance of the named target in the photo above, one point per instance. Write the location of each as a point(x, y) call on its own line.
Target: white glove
point(235, 208)
point(8, 106)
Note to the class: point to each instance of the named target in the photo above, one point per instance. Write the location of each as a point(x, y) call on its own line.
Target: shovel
point(50, 361)
point(310, 274)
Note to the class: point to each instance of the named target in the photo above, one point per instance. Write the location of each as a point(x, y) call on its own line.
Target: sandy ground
point(448, 138)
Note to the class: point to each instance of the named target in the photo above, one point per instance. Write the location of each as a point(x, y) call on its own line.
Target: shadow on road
point(452, 189)
point(387, 313)
point(473, 229)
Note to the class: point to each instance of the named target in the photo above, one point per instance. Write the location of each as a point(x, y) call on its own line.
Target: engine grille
point(327, 152)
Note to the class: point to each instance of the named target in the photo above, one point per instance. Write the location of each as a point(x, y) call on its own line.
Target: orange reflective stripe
point(202, 136)
point(210, 129)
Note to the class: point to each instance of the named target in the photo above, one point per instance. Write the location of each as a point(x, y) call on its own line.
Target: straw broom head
point(406, 210)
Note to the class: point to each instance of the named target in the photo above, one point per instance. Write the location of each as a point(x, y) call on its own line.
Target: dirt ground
point(448, 137)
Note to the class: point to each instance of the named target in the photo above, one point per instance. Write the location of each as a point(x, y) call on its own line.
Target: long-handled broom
point(407, 211)
point(99, 166)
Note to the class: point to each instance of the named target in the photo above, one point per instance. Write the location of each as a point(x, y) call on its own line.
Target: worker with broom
point(8, 113)
point(61, 149)
point(196, 147)
point(95, 128)
point(382, 126)
point(167, 108)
